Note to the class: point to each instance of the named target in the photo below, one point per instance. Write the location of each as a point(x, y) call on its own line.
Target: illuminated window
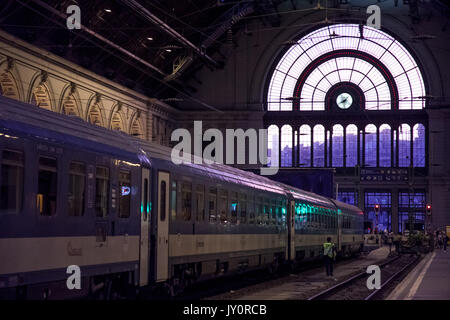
point(385, 50)
point(351, 136)
point(385, 145)
point(338, 146)
point(419, 145)
point(305, 146)
point(272, 146)
point(404, 145)
point(371, 146)
point(286, 146)
point(319, 146)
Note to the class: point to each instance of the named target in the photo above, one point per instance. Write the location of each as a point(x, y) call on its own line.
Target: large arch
point(373, 59)
point(136, 128)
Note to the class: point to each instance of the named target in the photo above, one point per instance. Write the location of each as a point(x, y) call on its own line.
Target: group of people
point(330, 250)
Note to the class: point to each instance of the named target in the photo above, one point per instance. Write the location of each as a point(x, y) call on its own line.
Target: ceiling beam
point(138, 8)
point(100, 37)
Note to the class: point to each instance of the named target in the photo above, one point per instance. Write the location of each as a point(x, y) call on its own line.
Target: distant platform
point(430, 279)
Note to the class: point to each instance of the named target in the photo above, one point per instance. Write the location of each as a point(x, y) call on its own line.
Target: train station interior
point(354, 94)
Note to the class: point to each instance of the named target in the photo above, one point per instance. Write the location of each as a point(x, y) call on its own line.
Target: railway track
point(355, 288)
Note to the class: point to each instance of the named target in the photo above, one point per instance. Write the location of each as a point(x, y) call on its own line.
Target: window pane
point(173, 201)
point(186, 200)
point(286, 146)
point(371, 146)
point(11, 189)
point(124, 194)
point(404, 145)
point(272, 146)
point(200, 202)
point(351, 136)
point(222, 206)
point(47, 186)
point(319, 146)
point(75, 196)
point(101, 191)
point(243, 208)
point(212, 204)
point(234, 207)
point(419, 145)
point(305, 146)
point(385, 145)
point(338, 146)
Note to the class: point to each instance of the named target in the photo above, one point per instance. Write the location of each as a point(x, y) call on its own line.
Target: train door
point(162, 258)
point(291, 231)
point(144, 251)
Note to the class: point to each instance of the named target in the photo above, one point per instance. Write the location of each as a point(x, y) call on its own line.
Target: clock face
point(344, 100)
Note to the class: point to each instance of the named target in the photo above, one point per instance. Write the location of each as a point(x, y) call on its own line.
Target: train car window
point(243, 208)
point(124, 193)
point(11, 188)
point(200, 195)
point(251, 210)
point(173, 201)
point(101, 191)
point(76, 190)
point(222, 206)
point(162, 201)
point(186, 200)
point(212, 204)
point(47, 186)
point(266, 212)
point(234, 207)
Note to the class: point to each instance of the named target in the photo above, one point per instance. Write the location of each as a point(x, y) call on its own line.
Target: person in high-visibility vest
point(329, 254)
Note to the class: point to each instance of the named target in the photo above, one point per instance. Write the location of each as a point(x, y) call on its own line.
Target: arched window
point(305, 146)
point(70, 106)
point(404, 145)
point(8, 86)
point(136, 129)
point(338, 146)
point(419, 145)
point(351, 136)
point(385, 145)
point(116, 122)
point(41, 97)
point(272, 146)
point(319, 146)
point(95, 115)
point(371, 146)
point(355, 64)
point(286, 146)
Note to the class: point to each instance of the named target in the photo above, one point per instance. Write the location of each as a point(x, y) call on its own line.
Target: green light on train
point(283, 210)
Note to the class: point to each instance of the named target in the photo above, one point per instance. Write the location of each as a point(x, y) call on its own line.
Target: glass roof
point(376, 43)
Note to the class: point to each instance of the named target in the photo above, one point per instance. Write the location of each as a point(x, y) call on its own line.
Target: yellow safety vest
point(328, 249)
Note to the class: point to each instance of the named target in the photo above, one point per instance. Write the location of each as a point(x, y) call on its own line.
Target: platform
point(303, 285)
point(430, 279)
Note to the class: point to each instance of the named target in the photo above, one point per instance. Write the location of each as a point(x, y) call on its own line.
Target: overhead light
point(108, 10)
point(149, 38)
point(168, 50)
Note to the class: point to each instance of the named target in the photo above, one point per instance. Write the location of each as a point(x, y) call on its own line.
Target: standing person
point(445, 239)
point(440, 240)
point(329, 254)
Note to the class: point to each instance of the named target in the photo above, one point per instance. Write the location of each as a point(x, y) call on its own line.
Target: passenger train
point(73, 193)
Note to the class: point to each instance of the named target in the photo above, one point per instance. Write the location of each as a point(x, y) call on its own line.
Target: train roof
point(347, 207)
point(73, 130)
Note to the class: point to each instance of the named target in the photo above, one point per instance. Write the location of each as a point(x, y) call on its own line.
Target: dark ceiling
point(151, 46)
